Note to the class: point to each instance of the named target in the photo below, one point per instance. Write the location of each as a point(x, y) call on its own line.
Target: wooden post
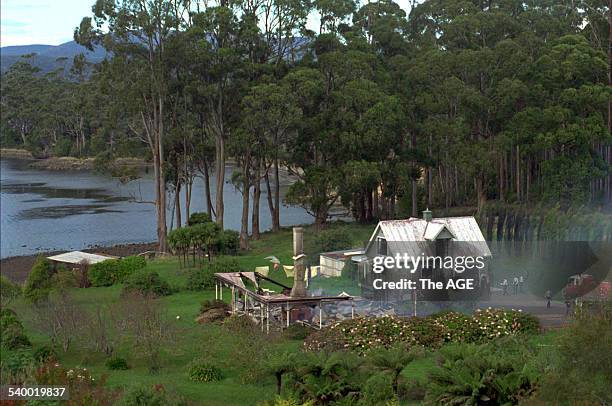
point(216, 290)
point(320, 315)
point(288, 314)
point(261, 317)
point(233, 300)
point(221, 291)
point(352, 308)
point(267, 319)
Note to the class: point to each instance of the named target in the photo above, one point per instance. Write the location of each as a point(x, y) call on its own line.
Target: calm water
point(63, 210)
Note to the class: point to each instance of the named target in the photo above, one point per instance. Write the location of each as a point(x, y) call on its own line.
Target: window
point(382, 245)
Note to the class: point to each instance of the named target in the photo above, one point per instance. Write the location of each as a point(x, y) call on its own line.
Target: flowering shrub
point(494, 323)
point(362, 334)
point(83, 388)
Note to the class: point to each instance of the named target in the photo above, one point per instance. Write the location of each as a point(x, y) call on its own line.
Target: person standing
point(548, 296)
point(515, 282)
point(521, 283)
point(505, 287)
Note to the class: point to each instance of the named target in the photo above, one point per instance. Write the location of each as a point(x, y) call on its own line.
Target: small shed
point(333, 262)
point(79, 262)
point(80, 258)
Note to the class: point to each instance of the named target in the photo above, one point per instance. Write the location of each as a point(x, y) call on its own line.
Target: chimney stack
point(427, 215)
point(299, 263)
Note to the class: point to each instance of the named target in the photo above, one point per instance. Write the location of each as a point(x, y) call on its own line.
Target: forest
point(461, 103)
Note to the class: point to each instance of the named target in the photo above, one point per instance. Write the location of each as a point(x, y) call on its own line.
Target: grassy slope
point(193, 340)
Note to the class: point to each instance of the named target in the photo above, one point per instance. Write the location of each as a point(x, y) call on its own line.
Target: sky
point(52, 22)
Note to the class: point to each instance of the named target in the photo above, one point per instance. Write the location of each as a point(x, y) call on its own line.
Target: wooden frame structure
point(267, 308)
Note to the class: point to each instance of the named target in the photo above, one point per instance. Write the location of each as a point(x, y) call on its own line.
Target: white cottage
point(445, 237)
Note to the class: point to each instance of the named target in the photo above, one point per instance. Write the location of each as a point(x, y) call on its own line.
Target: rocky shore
point(18, 268)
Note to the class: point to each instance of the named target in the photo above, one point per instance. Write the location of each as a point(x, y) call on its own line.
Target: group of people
point(517, 285)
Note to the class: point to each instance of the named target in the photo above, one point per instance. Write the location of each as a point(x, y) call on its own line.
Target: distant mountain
point(48, 57)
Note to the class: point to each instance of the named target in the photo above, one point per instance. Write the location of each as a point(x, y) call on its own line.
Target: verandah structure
point(270, 309)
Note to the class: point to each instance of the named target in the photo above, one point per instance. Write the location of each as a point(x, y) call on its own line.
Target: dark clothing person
point(548, 296)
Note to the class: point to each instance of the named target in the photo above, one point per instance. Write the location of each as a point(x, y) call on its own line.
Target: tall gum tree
point(136, 32)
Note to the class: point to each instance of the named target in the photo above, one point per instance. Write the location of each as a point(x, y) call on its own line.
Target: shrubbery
point(362, 334)
point(12, 331)
point(117, 364)
point(482, 374)
point(147, 282)
point(202, 371)
point(203, 278)
point(112, 271)
point(330, 240)
point(151, 396)
point(9, 291)
point(39, 282)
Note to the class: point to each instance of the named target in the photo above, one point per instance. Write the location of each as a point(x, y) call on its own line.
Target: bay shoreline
point(17, 268)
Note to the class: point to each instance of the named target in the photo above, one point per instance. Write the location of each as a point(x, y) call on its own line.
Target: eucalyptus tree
point(136, 33)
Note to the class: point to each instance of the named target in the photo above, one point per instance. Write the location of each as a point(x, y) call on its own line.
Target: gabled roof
point(413, 236)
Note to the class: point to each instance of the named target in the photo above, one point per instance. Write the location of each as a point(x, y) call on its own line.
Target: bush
point(489, 373)
point(155, 396)
point(240, 324)
point(117, 364)
point(378, 390)
point(114, 271)
point(128, 266)
point(146, 282)
point(44, 354)
point(64, 279)
point(9, 291)
point(202, 371)
point(103, 273)
point(39, 282)
point(203, 278)
point(331, 240)
point(17, 362)
point(362, 334)
point(199, 218)
point(229, 242)
point(12, 331)
point(7, 318)
point(297, 332)
point(225, 264)
point(200, 279)
point(13, 337)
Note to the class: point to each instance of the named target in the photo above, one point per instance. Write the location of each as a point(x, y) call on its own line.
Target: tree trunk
point(276, 216)
point(188, 188)
point(244, 224)
point(207, 197)
point(220, 174)
point(177, 204)
point(269, 198)
point(256, 199)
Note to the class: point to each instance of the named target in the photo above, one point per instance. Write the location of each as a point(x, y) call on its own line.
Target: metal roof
point(79, 257)
point(414, 236)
